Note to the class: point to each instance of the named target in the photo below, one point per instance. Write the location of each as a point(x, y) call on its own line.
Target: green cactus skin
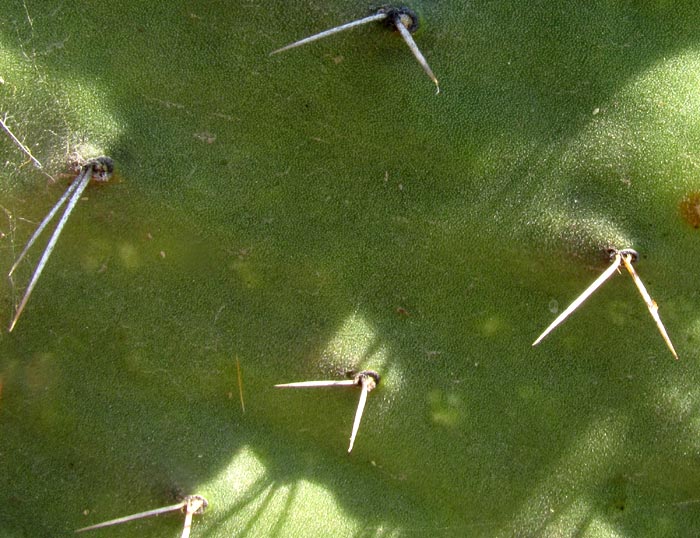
point(323, 211)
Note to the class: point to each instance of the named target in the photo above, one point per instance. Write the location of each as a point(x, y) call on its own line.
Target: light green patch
point(446, 409)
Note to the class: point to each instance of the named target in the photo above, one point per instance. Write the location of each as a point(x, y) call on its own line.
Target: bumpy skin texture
point(323, 211)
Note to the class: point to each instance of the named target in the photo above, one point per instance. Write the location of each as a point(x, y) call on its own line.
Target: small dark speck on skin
point(690, 209)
